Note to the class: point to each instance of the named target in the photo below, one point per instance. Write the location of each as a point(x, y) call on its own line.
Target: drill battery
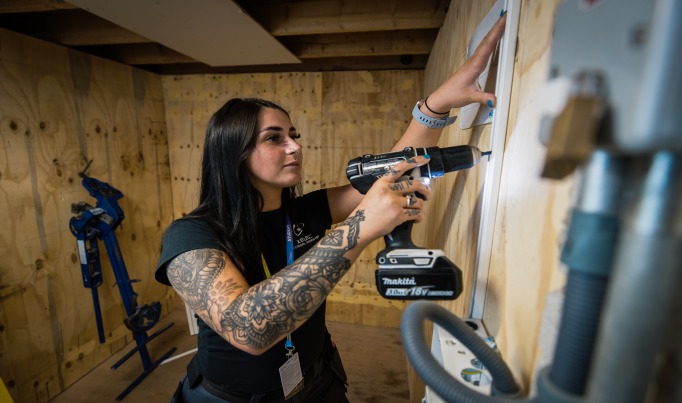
point(408, 274)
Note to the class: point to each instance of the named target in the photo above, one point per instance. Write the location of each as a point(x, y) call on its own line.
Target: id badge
point(291, 376)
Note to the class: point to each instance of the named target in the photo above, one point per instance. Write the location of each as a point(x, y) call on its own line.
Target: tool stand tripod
point(101, 221)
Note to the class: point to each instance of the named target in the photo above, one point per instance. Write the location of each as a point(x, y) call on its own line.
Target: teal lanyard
point(290, 259)
point(290, 241)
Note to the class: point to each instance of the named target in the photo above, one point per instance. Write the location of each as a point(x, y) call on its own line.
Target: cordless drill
point(407, 271)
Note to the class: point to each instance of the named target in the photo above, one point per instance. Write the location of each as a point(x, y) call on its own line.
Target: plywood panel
point(59, 109)
point(35, 156)
point(365, 112)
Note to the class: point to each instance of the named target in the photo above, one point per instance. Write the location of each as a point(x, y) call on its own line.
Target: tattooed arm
point(255, 318)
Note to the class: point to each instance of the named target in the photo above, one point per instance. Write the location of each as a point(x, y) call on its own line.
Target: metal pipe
point(641, 297)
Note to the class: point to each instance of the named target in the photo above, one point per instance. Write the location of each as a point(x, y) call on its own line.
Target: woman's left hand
point(462, 87)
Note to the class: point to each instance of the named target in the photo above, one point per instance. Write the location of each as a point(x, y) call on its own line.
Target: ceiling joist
point(374, 43)
point(344, 16)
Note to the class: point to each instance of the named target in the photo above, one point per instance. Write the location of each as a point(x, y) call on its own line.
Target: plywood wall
point(340, 115)
point(59, 109)
point(525, 272)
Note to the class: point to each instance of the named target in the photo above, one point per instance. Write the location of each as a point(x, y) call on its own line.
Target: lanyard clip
point(289, 345)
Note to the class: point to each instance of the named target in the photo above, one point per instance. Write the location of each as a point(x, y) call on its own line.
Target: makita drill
point(407, 271)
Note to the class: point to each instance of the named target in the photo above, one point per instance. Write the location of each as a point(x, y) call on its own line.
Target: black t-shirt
point(219, 361)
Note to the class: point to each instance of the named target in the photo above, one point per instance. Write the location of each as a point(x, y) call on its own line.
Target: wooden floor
point(373, 357)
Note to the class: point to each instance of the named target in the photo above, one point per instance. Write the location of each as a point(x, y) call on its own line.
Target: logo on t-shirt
point(303, 238)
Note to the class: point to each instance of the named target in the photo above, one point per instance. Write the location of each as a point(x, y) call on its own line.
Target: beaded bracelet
point(432, 111)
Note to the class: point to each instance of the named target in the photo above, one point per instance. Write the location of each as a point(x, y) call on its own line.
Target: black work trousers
point(326, 382)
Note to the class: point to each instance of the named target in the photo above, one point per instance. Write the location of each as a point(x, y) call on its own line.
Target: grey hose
point(579, 324)
point(433, 374)
point(588, 253)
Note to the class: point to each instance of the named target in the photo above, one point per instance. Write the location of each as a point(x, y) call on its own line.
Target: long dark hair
point(228, 201)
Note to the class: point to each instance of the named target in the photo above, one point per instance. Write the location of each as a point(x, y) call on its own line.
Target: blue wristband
point(428, 121)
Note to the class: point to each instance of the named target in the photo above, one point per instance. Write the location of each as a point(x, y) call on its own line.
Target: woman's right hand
point(391, 200)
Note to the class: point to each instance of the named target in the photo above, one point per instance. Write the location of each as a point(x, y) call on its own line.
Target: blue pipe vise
point(90, 224)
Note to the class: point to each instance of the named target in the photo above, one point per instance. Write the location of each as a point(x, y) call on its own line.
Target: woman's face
point(275, 162)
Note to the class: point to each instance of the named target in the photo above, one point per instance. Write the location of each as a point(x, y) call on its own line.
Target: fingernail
point(503, 12)
point(426, 156)
point(490, 103)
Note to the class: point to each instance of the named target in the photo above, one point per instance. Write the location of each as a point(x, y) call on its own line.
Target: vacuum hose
point(411, 329)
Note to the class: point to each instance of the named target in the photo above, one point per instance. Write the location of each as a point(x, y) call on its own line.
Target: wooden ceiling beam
point(344, 16)
point(413, 42)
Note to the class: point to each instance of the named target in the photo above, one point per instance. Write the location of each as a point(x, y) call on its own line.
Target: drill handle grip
point(400, 237)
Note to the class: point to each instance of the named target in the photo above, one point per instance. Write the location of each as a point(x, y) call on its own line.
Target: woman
point(254, 263)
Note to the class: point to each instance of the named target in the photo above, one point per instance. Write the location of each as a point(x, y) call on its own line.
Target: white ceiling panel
point(214, 32)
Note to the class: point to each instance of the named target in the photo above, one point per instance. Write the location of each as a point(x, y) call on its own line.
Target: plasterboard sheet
point(214, 32)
